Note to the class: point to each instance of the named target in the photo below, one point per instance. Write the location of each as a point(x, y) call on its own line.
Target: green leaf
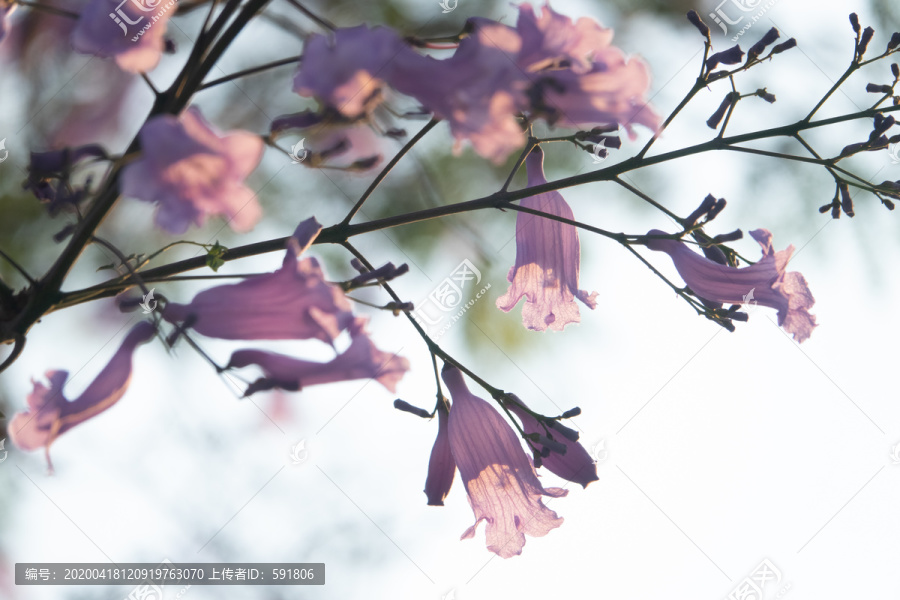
point(214, 256)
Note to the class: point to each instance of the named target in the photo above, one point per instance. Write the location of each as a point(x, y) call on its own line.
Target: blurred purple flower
point(122, 33)
point(502, 486)
point(548, 259)
point(346, 71)
point(192, 172)
point(576, 465)
point(361, 360)
point(50, 414)
point(765, 282)
point(294, 302)
point(441, 466)
point(478, 90)
point(552, 38)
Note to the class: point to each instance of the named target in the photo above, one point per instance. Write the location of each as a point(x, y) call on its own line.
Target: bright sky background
point(722, 449)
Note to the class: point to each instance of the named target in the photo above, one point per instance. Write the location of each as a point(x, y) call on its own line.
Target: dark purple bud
point(825, 208)
point(791, 43)
point(757, 48)
point(697, 22)
point(883, 124)
point(567, 432)
point(894, 139)
point(361, 268)
point(867, 35)
point(612, 141)
point(715, 254)
point(836, 211)
point(739, 316)
point(730, 98)
point(414, 410)
point(170, 47)
point(704, 208)
point(770, 98)
point(888, 203)
point(895, 69)
point(69, 229)
point(874, 88)
point(395, 133)
point(853, 149)
point(846, 201)
point(548, 444)
point(365, 164)
point(732, 56)
point(57, 161)
point(386, 272)
point(299, 120)
point(716, 209)
point(854, 21)
point(895, 41)
point(572, 412)
point(734, 236)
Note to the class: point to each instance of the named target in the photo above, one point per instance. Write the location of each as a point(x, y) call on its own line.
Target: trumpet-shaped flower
point(575, 465)
point(548, 258)
point(50, 414)
point(131, 33)
point(361, 360)
point(191, 172)
point(294, 302)
point(502, 486)
point(441, 466)
point(766, 282)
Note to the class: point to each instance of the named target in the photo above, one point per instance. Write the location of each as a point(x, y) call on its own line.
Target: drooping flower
point(346, 70)
point(478, 90)
point(575, 465)
point(132, 33)
point(441, 466)
point(766, 282)
point(548, 258)
point(361, 360)
point(502, 486)
point(294, 302)
point(191, 172)
point(50, 414)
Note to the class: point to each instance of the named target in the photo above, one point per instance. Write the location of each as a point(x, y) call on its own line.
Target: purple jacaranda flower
point(478, 90)
point(501, 483)
point(347, 69)
point(191, 172)
point(361, 360)
point(50, 414)
point(548, 259)
point(441, 465)
point(577, 78)
point(294, 302)
point(612, 92)
point(552, 38)
point(575, 465)
point(130, 32)
point(765, 282)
